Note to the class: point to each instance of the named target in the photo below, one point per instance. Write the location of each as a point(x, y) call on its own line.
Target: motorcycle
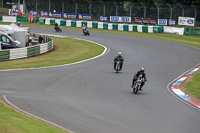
point(117, 67)
point(137, 84)
point(86, 32)
point(58, 29)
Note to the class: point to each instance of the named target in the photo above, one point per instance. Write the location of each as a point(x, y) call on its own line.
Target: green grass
point(66, 50)
point(190, 40)
point(13, 122)
point(194, 85)
point(5, 10)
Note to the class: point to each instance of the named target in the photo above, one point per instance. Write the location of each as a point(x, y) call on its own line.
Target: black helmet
point(142, 69)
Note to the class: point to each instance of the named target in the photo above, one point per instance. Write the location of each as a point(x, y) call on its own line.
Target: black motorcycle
point(58, 29)
point(117, 67)
point(137, 84)
point(86, 32)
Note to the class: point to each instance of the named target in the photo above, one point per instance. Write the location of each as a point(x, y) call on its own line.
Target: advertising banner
point(152, 21)
point(69, 15)
point(172, 22)
point(84, 16)
point(55, 14)
point(114, 19)
point(162, 21)
point(44, 14)
point(33, 13)
point(137, 20)
point(120, 19)
point(103, 18)
point(145, 21)
point(125, 19)
point(186, 21)
point(13, 13)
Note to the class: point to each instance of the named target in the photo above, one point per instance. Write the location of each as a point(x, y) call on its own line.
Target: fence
point(112, 8)
point(27, 51)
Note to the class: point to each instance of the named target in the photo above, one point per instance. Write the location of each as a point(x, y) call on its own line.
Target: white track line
point(106, 50)
point(170, 90)
point(6, 100)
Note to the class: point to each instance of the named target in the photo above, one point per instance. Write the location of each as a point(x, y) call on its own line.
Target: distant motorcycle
point(137, 84)
point(58, 29)
point(117, 67)
point(86, 32)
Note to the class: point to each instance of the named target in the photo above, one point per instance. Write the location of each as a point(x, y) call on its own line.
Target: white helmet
point(119, 53)
point(142, 69)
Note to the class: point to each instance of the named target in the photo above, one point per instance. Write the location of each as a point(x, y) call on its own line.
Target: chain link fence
point(111, 8)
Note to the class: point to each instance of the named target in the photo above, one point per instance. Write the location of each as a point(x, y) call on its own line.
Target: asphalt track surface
point(91, 98)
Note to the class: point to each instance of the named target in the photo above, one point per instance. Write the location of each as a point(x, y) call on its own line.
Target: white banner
point(173, 30)
point(186, 21)
point(68, 22)
point(100, 25)
point(9, 19)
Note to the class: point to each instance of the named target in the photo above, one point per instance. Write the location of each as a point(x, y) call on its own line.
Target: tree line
point(184, 2)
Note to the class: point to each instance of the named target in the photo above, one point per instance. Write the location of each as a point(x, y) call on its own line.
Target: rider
point(56, 26)
point(84, 28)
point(141, 72)
point(18, 24)
point(119, 58)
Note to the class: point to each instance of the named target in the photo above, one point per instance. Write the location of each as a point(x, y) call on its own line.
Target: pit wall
point(25, 52)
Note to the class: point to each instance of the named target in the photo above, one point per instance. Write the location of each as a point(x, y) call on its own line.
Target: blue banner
point(114, 19)
point(162, 21)
point(120, 19)
point(13, 13)
point(172, 22)
point(44, 14)
point(55, 14)
point(84, 17)
point(69, 15)
point(103, 18)
point(33, 13)
point(125, 19)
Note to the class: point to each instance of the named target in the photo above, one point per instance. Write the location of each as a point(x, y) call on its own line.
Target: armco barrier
point(4, 55)
point(25, 52)
point(109, 26)
point(22, 19)
point(192, 32)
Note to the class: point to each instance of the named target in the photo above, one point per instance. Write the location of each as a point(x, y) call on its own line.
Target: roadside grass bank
point(190, 40)
point(193, 86)
point(12, 121)
point(65, 51)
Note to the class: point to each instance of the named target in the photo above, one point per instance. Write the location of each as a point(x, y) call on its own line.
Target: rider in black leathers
point(118, 58)
point(56, 26)
point(141, 72)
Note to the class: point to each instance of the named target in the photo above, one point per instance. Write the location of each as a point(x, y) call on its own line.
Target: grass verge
point(190, 40)
point(194, 86)
point(14, 122)
point(66, 50)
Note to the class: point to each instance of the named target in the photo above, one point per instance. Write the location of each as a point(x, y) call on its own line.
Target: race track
point(91, 98)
